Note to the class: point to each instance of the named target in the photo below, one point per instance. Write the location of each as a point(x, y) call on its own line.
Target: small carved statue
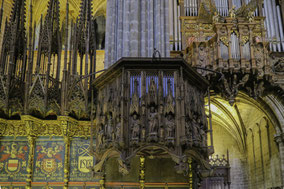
point(153, 120)
point(101, 136)
point(170, 125)
point(216, 17)
point(188, 128)
point(195, 128)
point(232, 12)
point(109, 127)
point(135, 127)
point(203, 136)
point(250, 16)
point(258, 54)
point(182, 166)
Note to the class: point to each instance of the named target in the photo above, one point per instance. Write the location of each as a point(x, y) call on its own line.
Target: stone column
point(279, 139)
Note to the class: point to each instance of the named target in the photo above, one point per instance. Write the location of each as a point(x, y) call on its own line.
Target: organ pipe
point(276, 25)
point(280, 27)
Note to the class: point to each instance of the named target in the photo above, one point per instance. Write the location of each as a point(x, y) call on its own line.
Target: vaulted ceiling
point(240, 118)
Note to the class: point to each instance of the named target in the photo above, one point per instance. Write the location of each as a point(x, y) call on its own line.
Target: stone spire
point(134, 28)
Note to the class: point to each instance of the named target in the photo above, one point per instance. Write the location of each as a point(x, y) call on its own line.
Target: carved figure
point(170, 125)
point(153, 120)
point(152, 94)
point(109, 127)
point(232, 12)
point(135, 127)
point(182, 166)
point(258, 53)
point(196, 132)
point(203, 136)
point(250, 16)
point(169, 108)
point(134, 108)
point(188, 128)
point(118, 128)
point(101, 136)
point(216, 17)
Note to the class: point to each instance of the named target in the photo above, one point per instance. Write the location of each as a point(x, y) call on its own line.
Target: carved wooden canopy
point(152, 108)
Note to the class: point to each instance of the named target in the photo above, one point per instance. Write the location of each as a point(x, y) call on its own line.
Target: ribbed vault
point(238, 119)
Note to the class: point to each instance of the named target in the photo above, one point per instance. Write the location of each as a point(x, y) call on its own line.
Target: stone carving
point(278, 64)
point(109, 128)
point(170, 128)
point(231, 89)
point(152, 93)
point(188, 128)
point(135, 129)
point(153, 121)
point(259, 56)
point(101, 132)
point(196, 130)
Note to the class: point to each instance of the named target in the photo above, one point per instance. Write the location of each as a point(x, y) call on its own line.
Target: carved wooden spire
point(1, 14)
point(50, 40)
point(84, 43)
point(14, 43)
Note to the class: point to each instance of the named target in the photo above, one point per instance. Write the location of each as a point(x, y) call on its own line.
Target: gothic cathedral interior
point(149, 94)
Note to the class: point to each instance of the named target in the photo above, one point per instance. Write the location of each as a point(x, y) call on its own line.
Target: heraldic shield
point(13, 165)
point(49, 165)
point(85, 163)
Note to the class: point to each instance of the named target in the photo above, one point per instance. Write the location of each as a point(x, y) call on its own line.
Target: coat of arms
point(13, 157)
point(49, 159)
point(85, 161)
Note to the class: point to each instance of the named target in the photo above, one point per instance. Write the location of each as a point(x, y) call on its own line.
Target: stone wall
point(223, 141)
point(263, 156)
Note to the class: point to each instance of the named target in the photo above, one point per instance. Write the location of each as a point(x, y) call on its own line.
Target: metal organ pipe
point(272, 26)
point(178, 28)
point(217, 6)
point(268, 34)
point(175, 20)
point(280, 27)
point(221, 4)
point(195, 1)
point(276, 24)
point(186, 7)
point(193, 7)
point(190, 6)
point(224, 5)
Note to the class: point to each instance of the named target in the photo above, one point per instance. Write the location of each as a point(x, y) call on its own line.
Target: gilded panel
point(80, 160)
point(13, 159)
point(75, 187)
point(49, 160)
point(47, 187)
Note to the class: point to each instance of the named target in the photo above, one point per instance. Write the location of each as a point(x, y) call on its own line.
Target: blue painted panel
point(13, 159)
point(81, 161)
point(49, 160)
